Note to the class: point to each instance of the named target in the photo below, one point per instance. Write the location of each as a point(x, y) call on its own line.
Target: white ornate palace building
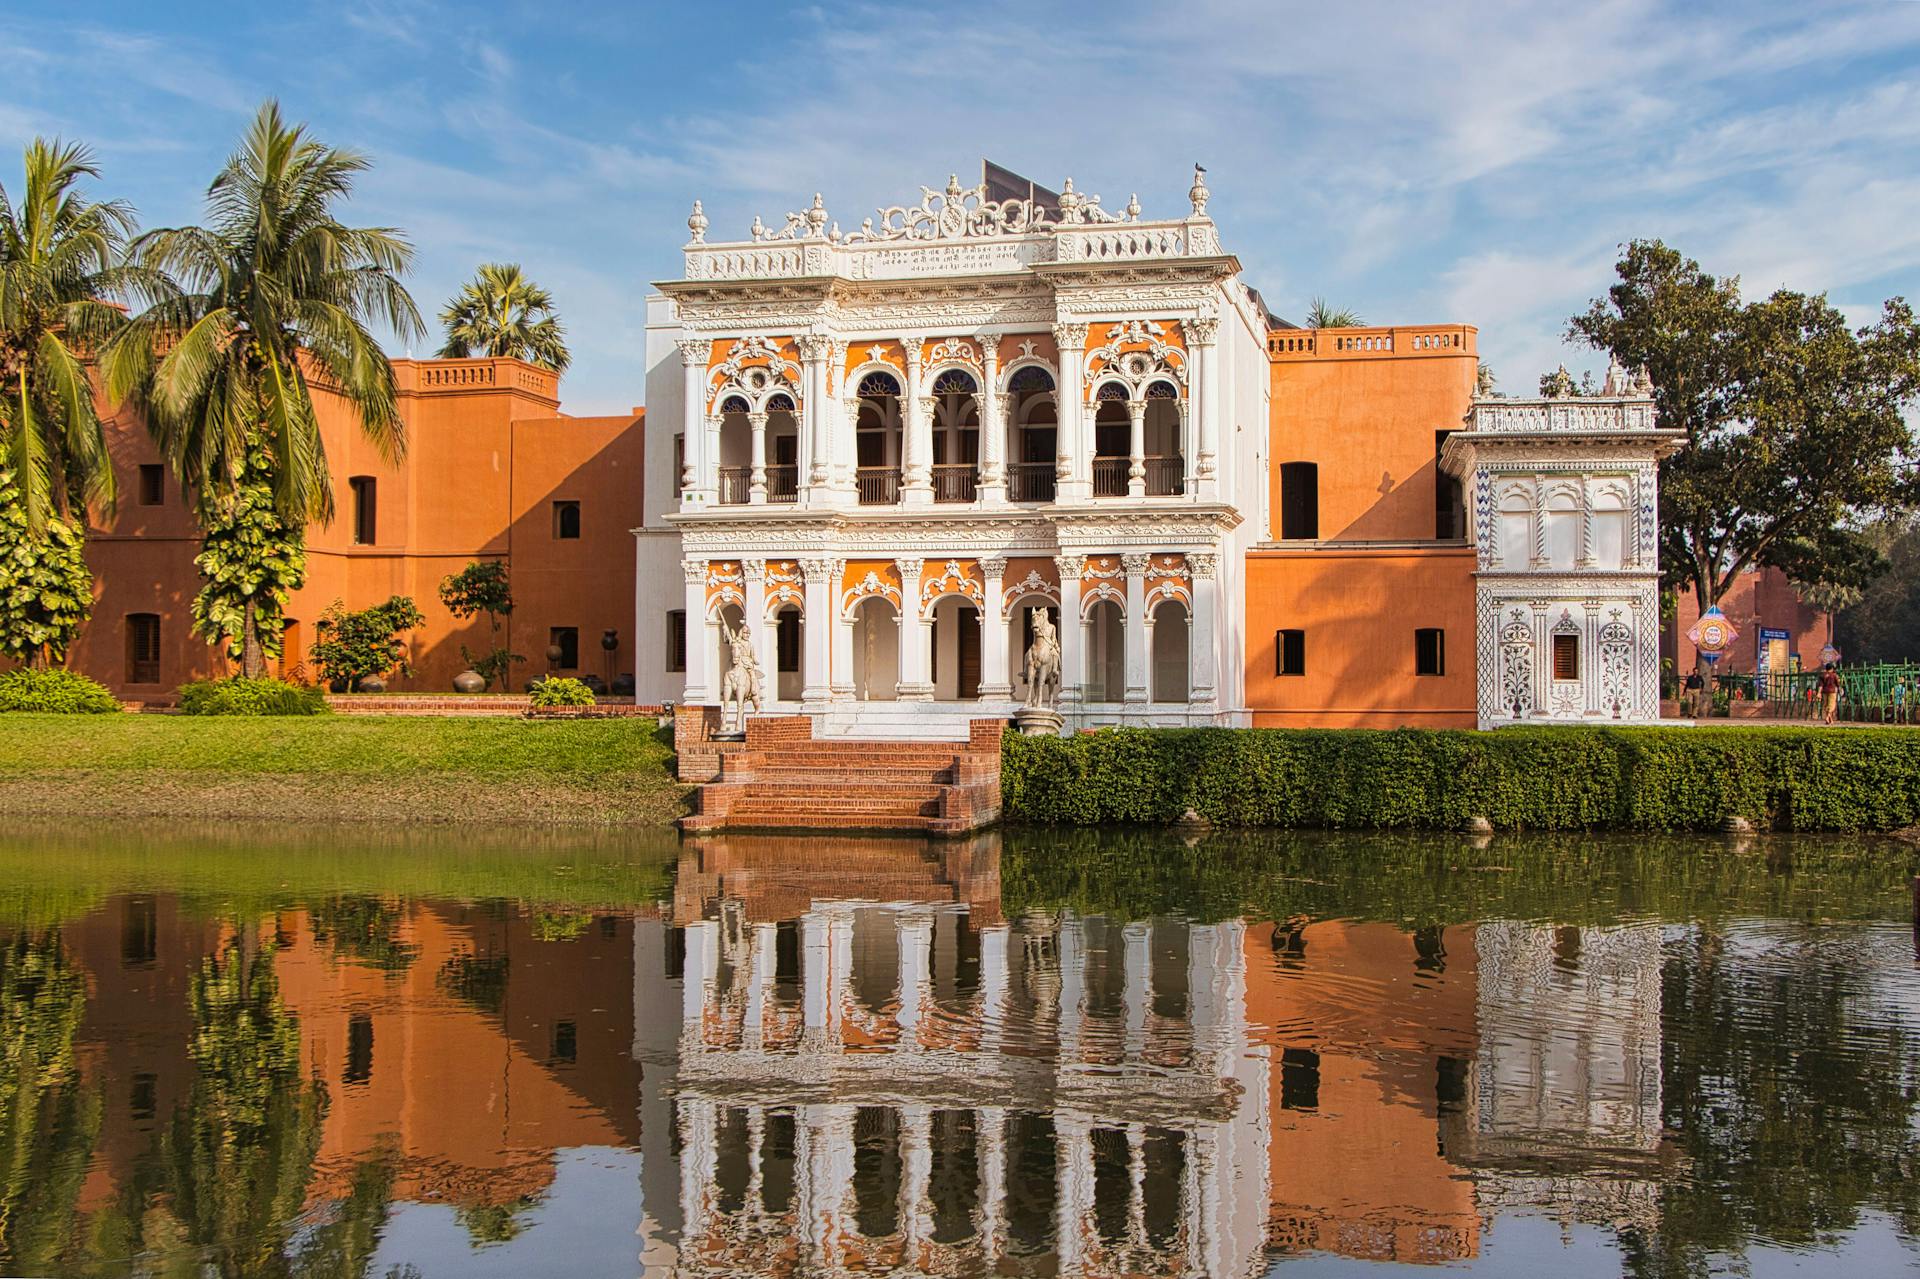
point(882, 449)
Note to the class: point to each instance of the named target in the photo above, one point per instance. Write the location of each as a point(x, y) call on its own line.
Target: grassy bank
point(339, 768)
point(1806, 779)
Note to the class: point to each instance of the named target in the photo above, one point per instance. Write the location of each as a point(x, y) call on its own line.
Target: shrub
point(243, 696)
point(53, 691)
point(354, 645)
point(1532, 778)
point(482, 587)
point(559, 691)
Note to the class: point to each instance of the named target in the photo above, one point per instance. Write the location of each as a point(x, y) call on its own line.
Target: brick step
point(860, 759)
point(827, 808)
point(756, 821)
point(830, 779)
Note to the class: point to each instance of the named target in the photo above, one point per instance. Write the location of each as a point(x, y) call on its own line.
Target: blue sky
point(1475, 162)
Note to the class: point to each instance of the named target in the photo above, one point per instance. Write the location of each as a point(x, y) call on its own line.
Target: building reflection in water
point(856, 1064)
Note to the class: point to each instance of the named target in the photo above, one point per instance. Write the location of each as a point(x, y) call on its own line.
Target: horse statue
point(742, 682)
point(1043, 662)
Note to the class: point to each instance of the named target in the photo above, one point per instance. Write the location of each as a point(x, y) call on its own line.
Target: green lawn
point(339, 767)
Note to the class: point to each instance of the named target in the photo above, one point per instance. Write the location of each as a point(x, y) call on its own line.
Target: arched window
point(878, 384)
point(1609, 528)
point(1516, 530)
point(779, 404)
point(1299, 500)
point(734, 404)
point(955, 382)
point(1162, 391)
point(1562, 528)
point(1032, 378)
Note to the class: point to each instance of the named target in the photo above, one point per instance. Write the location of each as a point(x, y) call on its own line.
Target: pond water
point(342, 1052)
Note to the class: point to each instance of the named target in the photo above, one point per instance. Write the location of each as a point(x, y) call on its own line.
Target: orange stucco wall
point(1367, 417)
point(1359, 607)
point(487, 456)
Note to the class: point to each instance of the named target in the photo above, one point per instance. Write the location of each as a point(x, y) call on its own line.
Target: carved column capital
point(989, 344)
point(993, 565)
point(813, 346)
point(816, 569)
point(1070, 567)
point(1203, 330)
point(1203, 563)
point(694, 352)
point(758, 420)
point(1135, 563)
point(911, 348)
point(695, 571)
point(909, 571)
point(1070, 336)
point(753, 570)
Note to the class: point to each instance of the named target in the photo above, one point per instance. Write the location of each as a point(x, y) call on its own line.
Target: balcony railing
point(1166, 476)
point(954, 482)
point(1030, 482)
point(879, 485)
point(1110, 476)
point(734, 483)
point(783, 483)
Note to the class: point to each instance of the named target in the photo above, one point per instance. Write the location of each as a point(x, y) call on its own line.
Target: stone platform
point(784, 778)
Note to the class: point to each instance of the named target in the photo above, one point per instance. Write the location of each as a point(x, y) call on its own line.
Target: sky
point(1478, 162)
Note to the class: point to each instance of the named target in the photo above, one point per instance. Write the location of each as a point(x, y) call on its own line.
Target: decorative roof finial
point(1133, 207)
point(816, 215)
point(697, 223)
point(759, 229)
point(1070, 202)
point(1198, 192)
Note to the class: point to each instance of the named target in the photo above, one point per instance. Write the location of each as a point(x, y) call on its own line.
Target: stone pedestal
point(1038, 721)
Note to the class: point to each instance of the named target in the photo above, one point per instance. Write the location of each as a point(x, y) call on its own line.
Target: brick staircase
point(784, 778)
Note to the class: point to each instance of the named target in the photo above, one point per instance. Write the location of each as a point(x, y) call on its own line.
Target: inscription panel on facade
point(905, 261)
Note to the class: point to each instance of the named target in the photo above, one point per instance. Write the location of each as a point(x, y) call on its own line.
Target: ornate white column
point(840, 446)
point(816, 422)
point(702, 940)
point(1073, 468)
point(917, 478)
point(754, 1023)
point(1138, 983)
point(916, 637)
point(993, 987)
point(753, 614)
point(710, 460)
point(996, 678)
point(993, 1181)
point(1073, 1175)
point(815, 968)
point(816, 631)
point(840, 678)
point(1201, 660)
point(993, 431)
point(757, 477)
point(1073, 986)
point(694, 355)
point(1201, 333)
point(700, 644)
point(1136, 567)
point(1073, 630)
point(1137, 448)
point(916, 1174)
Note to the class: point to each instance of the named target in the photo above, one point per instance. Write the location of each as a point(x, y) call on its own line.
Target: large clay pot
point(371, 684)
point(469, 682)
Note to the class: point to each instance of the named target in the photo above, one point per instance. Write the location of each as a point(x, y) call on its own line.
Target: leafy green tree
point(1322, 314)
point(1795, 425)
point(46, 590)
point(48, 1120)
point(61, 265)
point(272, 292)
point(1883, 625)
point(352, 646)
point(252, 559)
point(500, 312)
point(482, 587)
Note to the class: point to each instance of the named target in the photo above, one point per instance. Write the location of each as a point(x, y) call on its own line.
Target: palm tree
point(500, 312)
point(60, 266)
point(274, 291)
point(1321, 315)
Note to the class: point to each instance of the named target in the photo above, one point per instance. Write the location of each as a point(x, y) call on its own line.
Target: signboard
point(1829, 655)
point(1772, 655)
point(1713, 634)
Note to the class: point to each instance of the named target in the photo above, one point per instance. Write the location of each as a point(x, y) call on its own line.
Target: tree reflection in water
point(48, 1118)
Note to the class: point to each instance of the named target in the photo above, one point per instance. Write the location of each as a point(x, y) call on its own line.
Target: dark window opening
point(143, 648)
point(1449, 510)
point(679, 460)
point(567, 640)
point(675, 955)
point(566, 1042)
point(1429, 651)
point(1566, 657)
point(787, 642)
point(364, 494)
point(677, 640)
point(566, 521)
point(153, 484)
point(1289, 652)
point(359, 1050)
point(142, 1098)
point(1299, 501)
point(1299, 1079)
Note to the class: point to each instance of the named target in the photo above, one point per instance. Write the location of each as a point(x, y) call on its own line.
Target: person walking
point(1901, 694)
point(1829, 693)
point(1695, 706)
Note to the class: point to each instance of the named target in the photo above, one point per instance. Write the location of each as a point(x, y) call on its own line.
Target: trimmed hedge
point(559, 691)
point(1530, 778)
point(54, 691)
point(242, 696)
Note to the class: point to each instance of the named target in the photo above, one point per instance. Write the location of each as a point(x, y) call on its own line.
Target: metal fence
point(1882, 693)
